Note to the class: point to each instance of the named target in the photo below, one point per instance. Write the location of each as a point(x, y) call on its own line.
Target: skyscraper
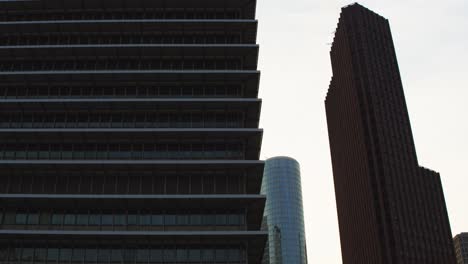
point(284, 214)
point(129, 132)
point(461, 248)
point(390, 210)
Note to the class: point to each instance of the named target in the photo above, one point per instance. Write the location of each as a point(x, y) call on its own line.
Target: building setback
point(284, 214)
point(129, 132)
point(390, 209)
point(461, 248)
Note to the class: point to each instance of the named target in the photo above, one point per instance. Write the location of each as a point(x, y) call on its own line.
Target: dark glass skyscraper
point(129, 132)
point(390, 209)
point(284, 214)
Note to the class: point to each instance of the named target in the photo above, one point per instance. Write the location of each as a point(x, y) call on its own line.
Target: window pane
point(65, 254)
point(91, 255)
point(155, 255)
point(69, 219)
point(169, 255)
point(57, 219)
point(142, 255)
point(103, 255)
point(194, 255)
point(94, 219)
point(106, 219)
point(145, 220)
point(21, 218)
point(208, 255)
point(78, 255)
point(170, 220)
point(132, 219)
point(117, 256)
point(120, 220)
point(82, 219)
point(157, 220)
point(40, 255)
point(27, 255)
point(33, 219)
point(52, 254)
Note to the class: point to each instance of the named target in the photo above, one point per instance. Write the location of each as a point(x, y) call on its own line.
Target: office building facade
point(284, 216)
point(390, 209)
point(129, 132)
point(460, 242)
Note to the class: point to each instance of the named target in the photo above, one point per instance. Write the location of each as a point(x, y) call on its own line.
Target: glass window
point(33, 219)
point(10, 218)
point(170, 220)
point(194, 255)
point(195, 219)
point(44, 219)
point(145, 220)
point(27, 255)
point(157, 220)
point(107, 219)
point(94, 219)
point(82, 219)
point(52, 254)
point(129, 255)
point(69, 219)
point(21, 218)
point(182, 220)
point(169, 255)
point(57, 219)
point(142, 255)
point(132, 219)
point(182, 255)
point(116, 256)
point(120, 220)
point(91, 255)
point(103, 255)
point(220, 255)
point(221, 219)
point(155, 255)
point(78, 255)
point(40, 255)
point(208, 255)
point(234, 255)
point(209, 219)
point(65, 255)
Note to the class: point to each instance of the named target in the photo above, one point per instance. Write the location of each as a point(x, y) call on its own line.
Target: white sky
point(431, 39)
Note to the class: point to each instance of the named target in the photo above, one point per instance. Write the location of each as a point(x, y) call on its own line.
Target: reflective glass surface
point(284, 212)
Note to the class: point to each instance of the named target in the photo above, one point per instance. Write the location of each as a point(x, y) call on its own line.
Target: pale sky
point(431, 39)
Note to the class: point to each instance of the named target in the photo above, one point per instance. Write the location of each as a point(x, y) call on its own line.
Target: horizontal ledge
point(132, 46)
point(131, 72)
point(136, 197)
point(133, 130)
point(129, 21)
point(134, 233)
point(136, 162)
point(117, 100)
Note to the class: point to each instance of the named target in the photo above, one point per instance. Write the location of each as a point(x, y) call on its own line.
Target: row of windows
point(113, 183)
point(88, 38)
point(89, 90)
point(120, 155)
point(146, 13)
point(159, 119)
point(120, 255)
point(120, 220)
point(123, 64)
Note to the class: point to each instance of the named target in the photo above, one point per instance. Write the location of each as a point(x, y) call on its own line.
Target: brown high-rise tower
point(390, 209)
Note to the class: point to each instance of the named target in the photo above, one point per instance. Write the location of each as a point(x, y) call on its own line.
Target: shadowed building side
point(390, 209)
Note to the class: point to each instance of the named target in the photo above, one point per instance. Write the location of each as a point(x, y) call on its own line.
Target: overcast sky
point(431, 39)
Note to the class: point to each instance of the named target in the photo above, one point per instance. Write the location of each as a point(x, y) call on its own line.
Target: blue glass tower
point(284, 214)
